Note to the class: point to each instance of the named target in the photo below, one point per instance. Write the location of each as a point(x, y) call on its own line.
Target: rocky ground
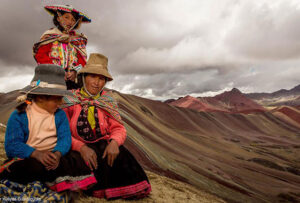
point(163, 189)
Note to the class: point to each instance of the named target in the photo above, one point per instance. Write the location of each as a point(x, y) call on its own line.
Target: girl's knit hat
point(47, 80)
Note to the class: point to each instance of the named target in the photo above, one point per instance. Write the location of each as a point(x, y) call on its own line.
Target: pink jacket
point(110, 128)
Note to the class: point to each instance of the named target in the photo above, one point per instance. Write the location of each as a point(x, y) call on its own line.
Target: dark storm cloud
point(169, 48)
point(22, 23)
point(267, 31)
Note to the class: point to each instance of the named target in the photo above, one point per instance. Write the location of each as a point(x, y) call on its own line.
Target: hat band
point(47, 85)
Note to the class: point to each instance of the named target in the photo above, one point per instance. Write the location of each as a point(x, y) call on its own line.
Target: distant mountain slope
point(278, 98)
point(198, 104)
point(7, 104)
point(238, 157)
point(292, 100)
point(230, 101)
point(238, 102)
point(288, 113)
point(280, 93)
point(6, 98)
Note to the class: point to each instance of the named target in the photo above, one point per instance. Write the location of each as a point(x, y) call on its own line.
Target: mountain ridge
point(280, 93)
point(233, 101)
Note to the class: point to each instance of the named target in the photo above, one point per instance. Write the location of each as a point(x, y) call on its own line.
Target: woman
point(62, 45)
point(38, 137)
point(98, 134)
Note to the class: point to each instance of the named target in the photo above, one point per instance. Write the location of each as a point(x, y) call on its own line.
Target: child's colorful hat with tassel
point(67, 8)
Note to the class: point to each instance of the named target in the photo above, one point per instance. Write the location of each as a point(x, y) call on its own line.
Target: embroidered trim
point(81, 184)
point(137, 190)
point(69, 178)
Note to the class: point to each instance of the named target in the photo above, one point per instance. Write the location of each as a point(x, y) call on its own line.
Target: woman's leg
point(125, 179)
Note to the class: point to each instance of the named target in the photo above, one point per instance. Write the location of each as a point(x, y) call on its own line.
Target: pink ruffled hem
point(74, 185)
point(139, 190)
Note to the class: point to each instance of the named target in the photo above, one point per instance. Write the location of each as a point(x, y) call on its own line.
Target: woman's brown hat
point(97, 64)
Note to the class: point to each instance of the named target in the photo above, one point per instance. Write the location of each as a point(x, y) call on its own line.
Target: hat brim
point(53, 9)
point(95, 71)
point(46, 91)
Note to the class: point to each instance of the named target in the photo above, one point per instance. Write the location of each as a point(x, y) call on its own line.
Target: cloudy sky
point(164, 49)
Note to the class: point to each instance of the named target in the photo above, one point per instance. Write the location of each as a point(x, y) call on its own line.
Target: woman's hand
point(111, 151)
point(89, 156)
point(70, 75)
point(48, 159)
point(57, 156)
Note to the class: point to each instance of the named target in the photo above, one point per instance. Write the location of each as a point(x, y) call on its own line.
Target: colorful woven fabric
point(105, 102)
point(77, 41)
point(32, 192)
point(84, 128)
point(90, 111)
point(64, 56)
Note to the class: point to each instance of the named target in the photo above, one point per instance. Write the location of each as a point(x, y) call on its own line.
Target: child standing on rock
point(62, 45)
